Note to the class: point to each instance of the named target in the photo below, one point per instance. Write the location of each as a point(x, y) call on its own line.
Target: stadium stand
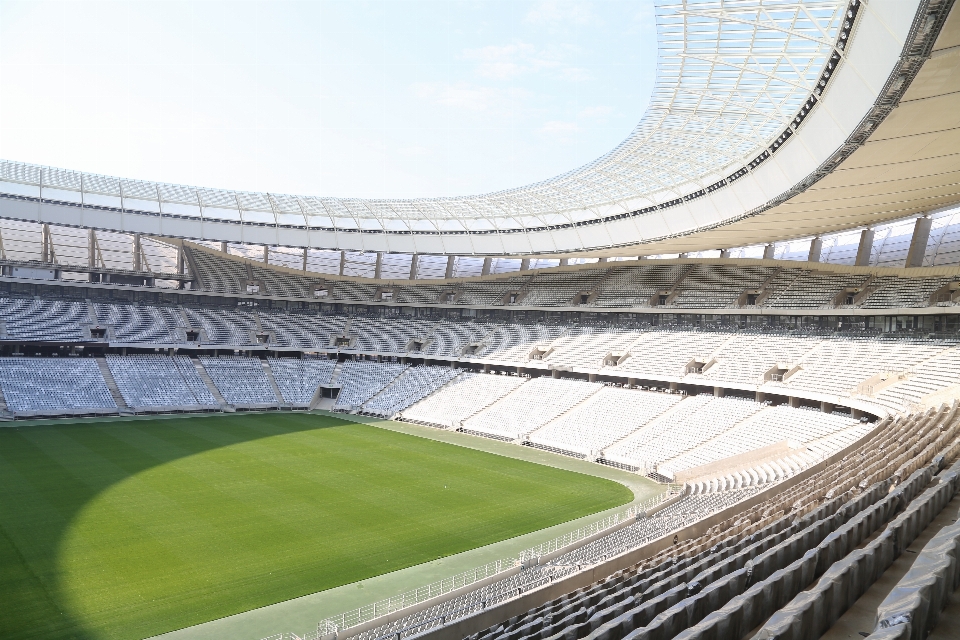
point(362, 379)
point(151, 382)
point(411, 386)
point(298, 379)
point(463, 397)
point(608, 416)
point(530, 407)
point(241, 380)
point(54, 386)
point(786, 562)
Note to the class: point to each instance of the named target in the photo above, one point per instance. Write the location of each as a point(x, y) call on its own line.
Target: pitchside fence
point(337, 624)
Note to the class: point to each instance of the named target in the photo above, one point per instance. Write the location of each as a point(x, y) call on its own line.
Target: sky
point(388, 98)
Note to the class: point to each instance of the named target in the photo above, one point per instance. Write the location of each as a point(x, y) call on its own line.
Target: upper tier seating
point(558, 289)
point(154, 381)
point(513, 342)
point(223, 326)
point(299, 379)
point(54, 386)
point(301, 330)
point(451, 338)
point(29, 319)
point(140, 323)
point(530, 407)
point(386, 336)
point(241, 381)
point(411, 386)
point(464, 396)
point(363, 379)
point(610, 415)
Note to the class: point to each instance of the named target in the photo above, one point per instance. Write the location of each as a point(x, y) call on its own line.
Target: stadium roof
point(755, 102)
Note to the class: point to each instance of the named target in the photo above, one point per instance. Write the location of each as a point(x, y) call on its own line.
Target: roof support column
point(46, 255)
point(180, 256)
point(223, 247)
point(487, 263)
point(451, 260)
point(343, 260)
point(768, 251)
point(866, 246)
point(414, 265)
point(266, 254)
point(378, 267)
point(137, 262)
point(603, 260)
point(816, 248)
point(92, 248)
point(564, 262)
point(524, 264)
point(724, 253)
point(304, 259)
point(918, 243)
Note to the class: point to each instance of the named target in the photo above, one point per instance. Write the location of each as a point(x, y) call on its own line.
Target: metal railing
point(355, 617)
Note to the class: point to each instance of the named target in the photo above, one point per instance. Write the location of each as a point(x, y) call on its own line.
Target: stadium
point(704, 387)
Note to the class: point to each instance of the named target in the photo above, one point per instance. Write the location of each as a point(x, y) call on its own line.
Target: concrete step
point(209, 382)
point(273, 381)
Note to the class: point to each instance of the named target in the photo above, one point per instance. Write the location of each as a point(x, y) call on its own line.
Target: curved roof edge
point(858, 88)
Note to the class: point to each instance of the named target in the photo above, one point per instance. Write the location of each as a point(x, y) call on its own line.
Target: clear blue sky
point(395, 98)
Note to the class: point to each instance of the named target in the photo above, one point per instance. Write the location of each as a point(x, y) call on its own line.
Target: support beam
point(826, 407)
point(266, 254)
point(564, 262)
point(761, 396)
point(724, 253)
point(718, 392)
point(794, 402)
point(604, 260)
point(223, 247)
point(304, 259)
point(487, 262)
point(451, 260)
point(525, 264)
point(866, 246)
point(768, 251)
point(45, 252)
point(816, 248)
point(378, 267)
point(343, 260)
point(414, 264)
point(180, 257)
point(918, 243)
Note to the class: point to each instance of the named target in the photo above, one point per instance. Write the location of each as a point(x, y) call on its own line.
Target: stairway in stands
point(224, 405)
point(273, 381)
point(122, 405)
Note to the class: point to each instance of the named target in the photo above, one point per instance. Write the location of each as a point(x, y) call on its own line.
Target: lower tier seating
point(241, 381)
point(54, 386)
point(155, 381)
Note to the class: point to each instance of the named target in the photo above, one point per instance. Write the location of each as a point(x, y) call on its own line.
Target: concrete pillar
point(304, 259)
point(866, 246)
point(718, 392)
point(826, 407)
point(451, 260)
point(768, 251)
point(378, 267)
point(180, 258)
point(92, 249)
point(674, 386)
point(604, 260)
point(525, 264)
point(137, 261)
point(555, 373)
point(794, 402)
point(724, 253)
point(414, 264)
point(343, 261)
point(564, 262)
point(223, 247)
point(486, 368)
point(485, 271)
point(632, 382)
point(266, 254)
point(816, 248)
point(918, 243)
point(761, 396)
point(682, 255)
point(519, 370)
point(592, 377)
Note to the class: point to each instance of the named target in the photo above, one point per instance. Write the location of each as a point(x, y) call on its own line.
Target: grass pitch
point(131, 529)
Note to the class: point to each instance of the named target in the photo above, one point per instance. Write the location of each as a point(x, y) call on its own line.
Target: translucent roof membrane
point(733, 75)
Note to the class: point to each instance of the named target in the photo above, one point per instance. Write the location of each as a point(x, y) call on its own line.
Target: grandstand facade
point(754, 300)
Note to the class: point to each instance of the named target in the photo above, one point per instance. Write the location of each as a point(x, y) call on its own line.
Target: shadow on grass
point(48, 473)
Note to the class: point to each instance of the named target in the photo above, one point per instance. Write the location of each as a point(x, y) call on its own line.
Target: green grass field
point(131, 529)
